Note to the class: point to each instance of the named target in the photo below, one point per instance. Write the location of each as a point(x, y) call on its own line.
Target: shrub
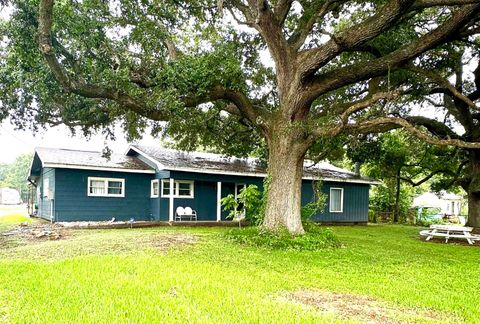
point(316, 238)
point(430, 216)
point(251, 199)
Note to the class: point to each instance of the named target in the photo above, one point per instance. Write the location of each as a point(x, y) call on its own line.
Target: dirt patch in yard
point(36, 232)
point(358, 308)
point(53, 241)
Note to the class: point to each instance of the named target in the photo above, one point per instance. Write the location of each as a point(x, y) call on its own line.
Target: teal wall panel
point(73, 203)
point(355, 202)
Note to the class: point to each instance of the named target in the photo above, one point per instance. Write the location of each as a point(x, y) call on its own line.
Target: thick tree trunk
point(473, 190)
point(285, 170)
point(474, 209)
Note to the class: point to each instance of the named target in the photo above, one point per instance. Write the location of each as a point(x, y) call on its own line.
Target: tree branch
point(323, 83)
point(242, 106)
point(383, 124)
point(441, 81)
point(78, 87)
point(421, 4)
point(308, 20)
point(281, 10)
point(367, 102)
point(313, 59)
point(433, 126)
point(422, 181)
point(456, 175)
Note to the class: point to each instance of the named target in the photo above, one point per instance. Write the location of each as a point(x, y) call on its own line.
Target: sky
point(16, 142)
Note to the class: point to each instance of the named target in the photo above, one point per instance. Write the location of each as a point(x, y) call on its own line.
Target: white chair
point(179, 213)
point(189, 212)
point(186, 213)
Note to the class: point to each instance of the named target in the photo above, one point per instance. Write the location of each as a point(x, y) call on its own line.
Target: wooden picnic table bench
point(450, 231)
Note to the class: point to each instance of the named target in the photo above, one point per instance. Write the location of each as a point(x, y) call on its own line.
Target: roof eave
point(96, 168)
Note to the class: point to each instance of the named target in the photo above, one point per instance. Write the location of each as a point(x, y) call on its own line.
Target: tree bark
point(474, 209)
point(474, 190)
point(285, 171)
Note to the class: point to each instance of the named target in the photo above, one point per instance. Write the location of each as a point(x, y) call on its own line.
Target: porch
point(201, 192)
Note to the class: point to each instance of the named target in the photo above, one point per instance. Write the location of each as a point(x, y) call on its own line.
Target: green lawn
point(149, 275)
point(13, 214)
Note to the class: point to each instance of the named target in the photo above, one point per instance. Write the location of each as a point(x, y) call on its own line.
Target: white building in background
point(450, 204)
point(9, 197)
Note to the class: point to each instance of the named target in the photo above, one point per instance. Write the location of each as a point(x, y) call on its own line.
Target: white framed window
point(182, 188)
point(154, 188)
point(106, 187)
point(336, 200)
point(46, 187)
point(166, 188)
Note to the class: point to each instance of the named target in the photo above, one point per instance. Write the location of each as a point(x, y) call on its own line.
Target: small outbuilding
point(150, 183)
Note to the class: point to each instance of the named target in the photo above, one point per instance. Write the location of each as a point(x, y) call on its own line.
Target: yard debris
point(172, 292)
point(36, 231)
point(357, 308)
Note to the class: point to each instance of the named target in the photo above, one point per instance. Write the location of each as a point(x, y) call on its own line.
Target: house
point(449, 204)
point(149, 183)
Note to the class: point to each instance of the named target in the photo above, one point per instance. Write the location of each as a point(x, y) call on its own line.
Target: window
point(154, 189)
point(46, 187)
point(336, 200)
point(166, 188)
point(106, 187)
point(182, 188)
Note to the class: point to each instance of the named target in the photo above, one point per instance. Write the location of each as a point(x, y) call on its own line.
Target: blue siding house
point(150, 183)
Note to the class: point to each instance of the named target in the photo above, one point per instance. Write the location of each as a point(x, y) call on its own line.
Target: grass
point(133, 275)
point(316, 238)
point(11, 215)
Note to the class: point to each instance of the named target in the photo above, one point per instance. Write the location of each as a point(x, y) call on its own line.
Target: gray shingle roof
point(208, 162)
point(90, 159)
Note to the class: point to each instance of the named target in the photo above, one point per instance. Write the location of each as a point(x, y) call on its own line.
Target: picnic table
point(450, 231)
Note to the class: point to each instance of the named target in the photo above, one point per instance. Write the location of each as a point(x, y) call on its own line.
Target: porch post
point(170, 201)
point(219, 203)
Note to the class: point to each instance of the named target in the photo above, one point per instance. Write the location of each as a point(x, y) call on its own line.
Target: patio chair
point(189, 212)
point(186, 213)
point(179, 212)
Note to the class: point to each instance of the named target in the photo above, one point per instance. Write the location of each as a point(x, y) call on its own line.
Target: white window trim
point(341, 201)
point(176, 190)
point(162, 188)
point(46, 188)
point(152, 194)
point(105, 182)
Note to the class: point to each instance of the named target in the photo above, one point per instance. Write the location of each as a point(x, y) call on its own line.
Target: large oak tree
point(198, 66)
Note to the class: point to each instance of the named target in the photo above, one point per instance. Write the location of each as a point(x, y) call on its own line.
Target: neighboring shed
point(78, 185)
